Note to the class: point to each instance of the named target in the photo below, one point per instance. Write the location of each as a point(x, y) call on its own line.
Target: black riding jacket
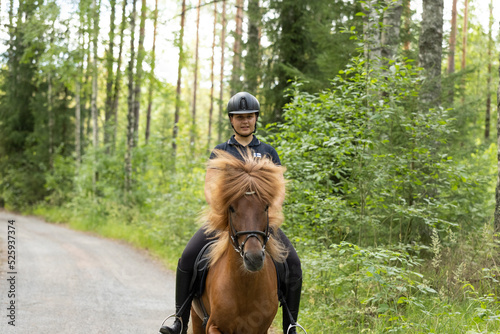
point(258, 148)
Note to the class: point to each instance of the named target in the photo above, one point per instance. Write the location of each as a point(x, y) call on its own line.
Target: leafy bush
point(367, 164)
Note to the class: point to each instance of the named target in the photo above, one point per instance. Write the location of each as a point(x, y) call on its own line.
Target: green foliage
point(367, 165)
point(305, 38)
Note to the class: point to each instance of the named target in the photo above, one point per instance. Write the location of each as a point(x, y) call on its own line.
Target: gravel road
point(73, 282)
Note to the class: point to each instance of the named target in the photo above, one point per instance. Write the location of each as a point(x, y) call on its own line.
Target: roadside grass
point(347, 288)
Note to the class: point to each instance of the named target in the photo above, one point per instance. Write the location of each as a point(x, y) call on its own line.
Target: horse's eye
point(267, 208)
point(231, 209)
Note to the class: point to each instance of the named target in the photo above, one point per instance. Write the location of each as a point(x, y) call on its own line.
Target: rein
point(240, 248)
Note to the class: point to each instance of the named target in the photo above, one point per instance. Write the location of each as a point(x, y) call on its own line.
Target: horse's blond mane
point(230, 180)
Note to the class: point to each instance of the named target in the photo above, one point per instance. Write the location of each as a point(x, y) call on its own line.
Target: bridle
point(234, 234)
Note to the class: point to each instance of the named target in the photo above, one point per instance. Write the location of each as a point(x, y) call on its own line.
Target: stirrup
point(296, 325)
point(174, 315)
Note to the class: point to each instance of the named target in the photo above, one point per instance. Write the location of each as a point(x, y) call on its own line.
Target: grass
point(347, 289)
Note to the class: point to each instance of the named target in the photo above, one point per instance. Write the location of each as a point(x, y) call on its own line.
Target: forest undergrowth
point(391, 167)
point(390, 215)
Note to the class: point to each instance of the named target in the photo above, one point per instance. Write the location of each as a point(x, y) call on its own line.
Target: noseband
point(240, 248)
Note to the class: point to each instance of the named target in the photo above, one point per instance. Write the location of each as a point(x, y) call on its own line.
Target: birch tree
point(430, 51)
point(390, 31)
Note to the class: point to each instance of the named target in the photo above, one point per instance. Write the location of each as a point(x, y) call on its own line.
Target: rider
point(243, 111)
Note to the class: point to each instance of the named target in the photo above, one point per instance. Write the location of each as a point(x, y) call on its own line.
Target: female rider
point(243, 111)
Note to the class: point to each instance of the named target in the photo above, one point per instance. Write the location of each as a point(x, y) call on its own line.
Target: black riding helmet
point(243, 103)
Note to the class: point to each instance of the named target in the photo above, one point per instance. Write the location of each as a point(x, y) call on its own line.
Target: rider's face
point(244, 124)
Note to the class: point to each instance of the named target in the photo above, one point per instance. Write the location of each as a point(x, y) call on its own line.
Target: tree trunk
point(451, 54)
point(252, 59)
point(179, 80)
point(50, 111)
point(222, 48)
point(407, 15)
point(390, 32)
point(236, 72)
point(430, 51)
point(108, 115)
point(371, 32)
point(152, 74)
point(78, 127)
point(212, 81)
point(464, 44)
point(464, 34)
point(95, 129)
point(497, 191)
point(139, 72)
point(118, 78)
point(195, 83)
point(130, 113)
point(488, 83)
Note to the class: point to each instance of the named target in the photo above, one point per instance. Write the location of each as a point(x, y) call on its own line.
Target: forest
point(383, 112)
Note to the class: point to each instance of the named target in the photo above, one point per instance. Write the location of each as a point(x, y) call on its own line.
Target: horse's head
point(249, 230)
point(245, 207)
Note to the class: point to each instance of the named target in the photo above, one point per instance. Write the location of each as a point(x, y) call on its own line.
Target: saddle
point(197, 285)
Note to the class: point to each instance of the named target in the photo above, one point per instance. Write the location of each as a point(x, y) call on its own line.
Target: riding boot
point(183, 298)
point(292, 300)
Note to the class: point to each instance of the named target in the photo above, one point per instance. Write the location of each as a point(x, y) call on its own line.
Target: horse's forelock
point(233, 179)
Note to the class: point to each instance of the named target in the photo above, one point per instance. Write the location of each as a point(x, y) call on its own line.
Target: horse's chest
point(243, 304)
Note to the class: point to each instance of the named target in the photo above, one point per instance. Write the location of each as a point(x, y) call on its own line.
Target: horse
point(241, 292)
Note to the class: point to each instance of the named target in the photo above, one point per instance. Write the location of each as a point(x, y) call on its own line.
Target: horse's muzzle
point(254, 261)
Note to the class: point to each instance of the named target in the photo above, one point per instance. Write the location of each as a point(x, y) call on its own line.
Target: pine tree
point(130, 114)
point(141, 53)
point(488, 82)
point(108, 106)
point(252, 60)
point(212, 80)
point(451, 52)
point(221, 89)
point(116, 92)
point(195, 80)
point(151, 74)
point(236, 71)
point(175, 131)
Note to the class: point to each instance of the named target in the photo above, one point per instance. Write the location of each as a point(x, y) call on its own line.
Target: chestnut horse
point(240, 293)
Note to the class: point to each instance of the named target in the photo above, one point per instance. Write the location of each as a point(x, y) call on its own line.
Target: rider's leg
point(293, 284)
point(183, 296)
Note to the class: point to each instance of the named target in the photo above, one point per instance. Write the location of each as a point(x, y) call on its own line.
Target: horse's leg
point(197, 323)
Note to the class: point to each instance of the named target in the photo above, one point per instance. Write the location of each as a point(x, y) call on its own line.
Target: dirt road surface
point(72, 282)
